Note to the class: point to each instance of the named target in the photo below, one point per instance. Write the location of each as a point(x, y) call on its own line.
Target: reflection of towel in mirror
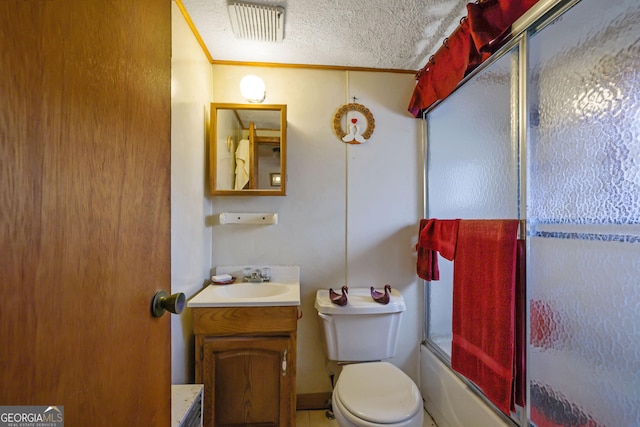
point(242, 164)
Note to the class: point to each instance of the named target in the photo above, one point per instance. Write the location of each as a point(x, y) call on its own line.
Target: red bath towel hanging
point(484, 291)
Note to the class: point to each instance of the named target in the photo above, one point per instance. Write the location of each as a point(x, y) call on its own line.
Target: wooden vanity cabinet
point(246, 359)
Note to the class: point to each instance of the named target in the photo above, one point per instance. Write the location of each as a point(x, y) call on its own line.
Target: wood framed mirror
point(248, 150)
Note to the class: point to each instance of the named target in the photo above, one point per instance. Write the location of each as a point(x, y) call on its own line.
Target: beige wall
point(351, 211)
point(190, 238)
point(350, 214)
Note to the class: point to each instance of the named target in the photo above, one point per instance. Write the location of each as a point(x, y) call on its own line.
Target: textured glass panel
point(584, 210)
point(586, 71)
point(472, 171)
point(585, 330)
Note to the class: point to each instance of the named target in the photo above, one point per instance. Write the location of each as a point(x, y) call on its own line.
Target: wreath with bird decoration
point(360, 123)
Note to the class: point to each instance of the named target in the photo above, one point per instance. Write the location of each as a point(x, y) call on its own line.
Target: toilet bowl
point(376, 394)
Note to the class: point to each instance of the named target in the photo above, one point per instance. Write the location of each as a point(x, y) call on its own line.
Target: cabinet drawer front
point(244, 320)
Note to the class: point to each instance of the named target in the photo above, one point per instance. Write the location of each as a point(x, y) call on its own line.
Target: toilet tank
point(362, 330)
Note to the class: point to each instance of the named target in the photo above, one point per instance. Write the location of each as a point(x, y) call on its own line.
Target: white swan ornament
point(355, 135)
point(350, 136)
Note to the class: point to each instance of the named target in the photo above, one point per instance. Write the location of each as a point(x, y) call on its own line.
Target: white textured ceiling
point(383, 34)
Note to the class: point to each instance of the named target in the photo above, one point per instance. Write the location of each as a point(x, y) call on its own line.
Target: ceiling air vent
point(257, 21)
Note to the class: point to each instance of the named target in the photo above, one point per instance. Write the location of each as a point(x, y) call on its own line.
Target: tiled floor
point(319, 419)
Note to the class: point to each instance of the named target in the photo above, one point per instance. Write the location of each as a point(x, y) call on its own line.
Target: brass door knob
point(162, 302)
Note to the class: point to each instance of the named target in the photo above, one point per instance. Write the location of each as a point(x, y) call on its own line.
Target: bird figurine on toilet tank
point(339, 299)
point(381, 297)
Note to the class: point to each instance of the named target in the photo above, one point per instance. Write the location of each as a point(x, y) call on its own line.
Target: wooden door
point(85, 208)
point(247, 381)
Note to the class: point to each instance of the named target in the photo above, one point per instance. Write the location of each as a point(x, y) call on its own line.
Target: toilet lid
point(378, 392)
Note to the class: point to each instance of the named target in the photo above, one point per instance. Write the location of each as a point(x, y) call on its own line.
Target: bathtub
point(450, 401)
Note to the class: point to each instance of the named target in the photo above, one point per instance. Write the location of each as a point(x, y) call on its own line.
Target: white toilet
point(369, 392)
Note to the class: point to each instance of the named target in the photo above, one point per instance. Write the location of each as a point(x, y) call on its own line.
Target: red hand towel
point(435, 235)
point(484, 279)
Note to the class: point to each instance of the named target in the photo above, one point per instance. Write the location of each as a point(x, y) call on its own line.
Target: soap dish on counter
point(227, 281)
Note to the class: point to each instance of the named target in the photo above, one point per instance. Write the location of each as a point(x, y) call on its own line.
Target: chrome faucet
point(257, 276)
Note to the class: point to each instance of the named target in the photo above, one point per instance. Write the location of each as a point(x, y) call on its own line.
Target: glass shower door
point(473, 172)
point(584, 217)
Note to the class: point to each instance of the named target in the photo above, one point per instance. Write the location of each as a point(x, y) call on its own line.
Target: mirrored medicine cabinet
point(248, 150)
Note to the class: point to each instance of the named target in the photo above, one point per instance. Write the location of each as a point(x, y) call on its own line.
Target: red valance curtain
point(479, 34)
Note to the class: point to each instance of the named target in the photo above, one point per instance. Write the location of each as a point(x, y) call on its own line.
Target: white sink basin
point(283, 289)
point(250, 290)
point(247, 295)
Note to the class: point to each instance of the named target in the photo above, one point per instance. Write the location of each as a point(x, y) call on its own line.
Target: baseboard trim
point(310, 401)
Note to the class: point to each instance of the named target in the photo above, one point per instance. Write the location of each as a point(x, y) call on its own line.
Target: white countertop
point(282, 290)
point(182, 397)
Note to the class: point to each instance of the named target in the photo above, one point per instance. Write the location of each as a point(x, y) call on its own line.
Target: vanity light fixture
point(253, 89)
